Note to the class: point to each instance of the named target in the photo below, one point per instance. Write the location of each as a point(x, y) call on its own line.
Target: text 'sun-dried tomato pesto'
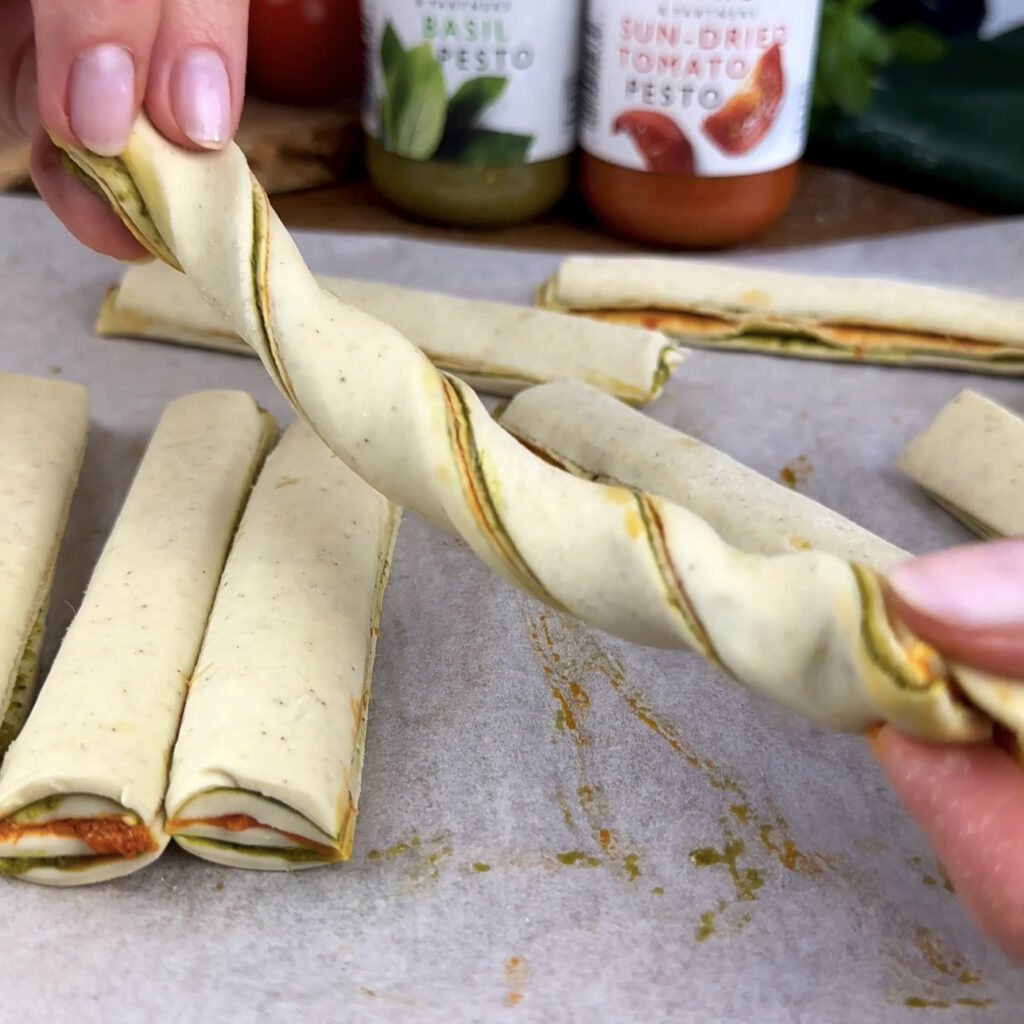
point(694, 115)
point(470, 105)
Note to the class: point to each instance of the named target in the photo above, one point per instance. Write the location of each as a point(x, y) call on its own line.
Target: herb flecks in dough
point(787, 625)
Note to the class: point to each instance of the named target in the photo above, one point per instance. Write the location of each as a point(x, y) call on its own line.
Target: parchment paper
point(534, 792)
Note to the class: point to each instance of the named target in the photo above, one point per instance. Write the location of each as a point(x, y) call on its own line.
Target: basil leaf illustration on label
point(413, 114)
point(391, 50)
point(391, 55)
point(482, 146)
point(471, 99)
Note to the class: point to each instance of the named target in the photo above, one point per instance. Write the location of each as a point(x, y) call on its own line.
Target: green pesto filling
point(500, 538)
point(85, 178)
point(24, 684)
point(33, 811)
point(110, 178)
point(13, 867)
point(468, 194)
point(673, 584)
point(875, 632)
point(293, 854)
point(800, 341)
point(257, 267)
point(664, 369)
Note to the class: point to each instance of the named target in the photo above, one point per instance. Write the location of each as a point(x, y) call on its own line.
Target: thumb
point(968, 602)
point(969, 801)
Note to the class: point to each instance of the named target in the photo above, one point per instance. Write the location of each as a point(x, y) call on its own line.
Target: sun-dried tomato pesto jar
point(470, 106)
point(694, 115)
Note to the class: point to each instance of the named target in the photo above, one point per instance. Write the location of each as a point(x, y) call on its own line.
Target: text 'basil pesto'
point(470, 107)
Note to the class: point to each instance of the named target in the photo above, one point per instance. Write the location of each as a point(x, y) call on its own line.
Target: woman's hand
point(969, 800)
point(84, 68)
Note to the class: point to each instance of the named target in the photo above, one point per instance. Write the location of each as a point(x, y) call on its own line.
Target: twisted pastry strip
point(808, 629)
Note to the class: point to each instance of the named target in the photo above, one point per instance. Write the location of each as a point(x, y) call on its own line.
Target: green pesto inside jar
point(468, 195)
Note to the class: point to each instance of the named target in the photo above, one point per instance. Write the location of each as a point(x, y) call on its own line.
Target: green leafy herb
point(853, 46)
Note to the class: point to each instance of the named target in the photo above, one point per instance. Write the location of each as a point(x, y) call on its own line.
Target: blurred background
point(914, 118)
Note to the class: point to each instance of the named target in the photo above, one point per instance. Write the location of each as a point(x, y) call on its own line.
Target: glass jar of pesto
point(470, 106)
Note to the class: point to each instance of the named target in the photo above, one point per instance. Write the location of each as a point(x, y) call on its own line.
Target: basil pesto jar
point(470, 106)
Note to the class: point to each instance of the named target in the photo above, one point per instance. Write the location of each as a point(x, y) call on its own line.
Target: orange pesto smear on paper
point(105, 836)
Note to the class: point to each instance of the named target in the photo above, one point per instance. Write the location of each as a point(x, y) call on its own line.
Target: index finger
point(968, 602)
point(93, 60)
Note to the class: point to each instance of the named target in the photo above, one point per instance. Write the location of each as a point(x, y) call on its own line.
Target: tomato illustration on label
point(745, 118)
point(658, 139)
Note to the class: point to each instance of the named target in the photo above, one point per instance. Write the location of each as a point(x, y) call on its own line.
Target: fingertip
point(972, 586)
point(197, 77)
point(83, 212)
point(101, 98)
point(93, 61)
point(193, 107)
point(968, 602)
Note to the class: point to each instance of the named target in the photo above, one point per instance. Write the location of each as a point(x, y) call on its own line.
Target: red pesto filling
point(104, 836)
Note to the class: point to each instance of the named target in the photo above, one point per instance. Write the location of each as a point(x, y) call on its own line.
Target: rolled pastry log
point(971, 461)
point(815, 316)
point(267, 766)
point(82, 787)
point(590, 434)
point(497, 348)
point(44, 426)
point(808, 629)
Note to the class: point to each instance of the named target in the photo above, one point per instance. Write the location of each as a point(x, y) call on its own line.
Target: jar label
point(705, 87)
point(472, 81)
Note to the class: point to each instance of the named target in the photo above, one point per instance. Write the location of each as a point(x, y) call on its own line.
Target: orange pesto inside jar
point(685, 210)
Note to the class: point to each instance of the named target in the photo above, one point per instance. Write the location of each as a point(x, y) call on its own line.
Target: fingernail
point(26, 94)
point(980, 586)
point(201, 97)
point(101, 100)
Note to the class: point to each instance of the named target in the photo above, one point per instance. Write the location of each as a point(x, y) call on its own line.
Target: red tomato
point(304, 52)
